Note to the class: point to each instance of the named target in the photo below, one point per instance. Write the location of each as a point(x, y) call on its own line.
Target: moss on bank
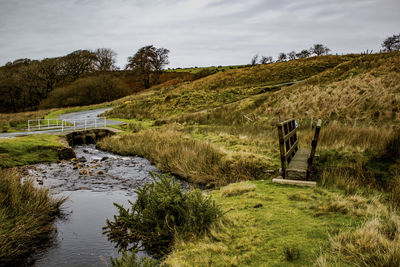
point(26, 150)
point(267, 224)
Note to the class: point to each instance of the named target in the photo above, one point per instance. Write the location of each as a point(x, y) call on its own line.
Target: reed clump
point(26, 216)
point(179, 154)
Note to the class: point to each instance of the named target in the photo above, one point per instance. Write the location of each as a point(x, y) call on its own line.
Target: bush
point(87, 91)
point(131, 260)
point(161, 212)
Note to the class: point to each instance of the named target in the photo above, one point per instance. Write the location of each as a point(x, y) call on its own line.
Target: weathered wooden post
point(282, 149)
point(313, 149)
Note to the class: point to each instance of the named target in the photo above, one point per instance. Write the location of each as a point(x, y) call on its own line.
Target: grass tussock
point(335, 135)
point(26, 216)
point(376, 243)
point(237, 189)
point(177, 153)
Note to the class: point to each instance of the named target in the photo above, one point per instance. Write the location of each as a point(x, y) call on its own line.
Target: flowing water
point(92, 184)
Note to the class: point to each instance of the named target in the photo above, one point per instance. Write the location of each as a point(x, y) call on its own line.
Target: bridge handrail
point(64, 124)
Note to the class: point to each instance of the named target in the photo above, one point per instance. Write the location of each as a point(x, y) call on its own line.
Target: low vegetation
point(222, 88)
point(28, 150)
point(221, 129)
point(179, 154)
point(358, 158)
point(265, 227)
point(87, 91)
point(26, 217)
point(10, 122)
point(161, 213)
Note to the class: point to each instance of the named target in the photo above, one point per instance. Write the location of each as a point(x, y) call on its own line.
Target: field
point(221, 129)
point(219, 132)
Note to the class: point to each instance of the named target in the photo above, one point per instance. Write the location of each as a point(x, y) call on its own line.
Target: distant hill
point(345, 88)
point(224, 87)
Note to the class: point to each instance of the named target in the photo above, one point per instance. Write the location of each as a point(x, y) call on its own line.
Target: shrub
point(87, 91)
point(131, 260)
point(161, 212)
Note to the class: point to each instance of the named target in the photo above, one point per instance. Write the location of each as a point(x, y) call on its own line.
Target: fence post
point(39, 123)
point(62, 125)
point(29, 126)
point(95, 125)
point(74, 125)
point(105, 122)
point(85, 124)
point(282, 150)
point(48, 123)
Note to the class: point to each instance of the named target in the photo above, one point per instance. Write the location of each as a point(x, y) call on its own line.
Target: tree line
point(316, 49)
point(391, 43)
point(26, 83)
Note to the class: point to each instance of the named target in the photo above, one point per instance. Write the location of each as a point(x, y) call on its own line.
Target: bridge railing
point(65, 125)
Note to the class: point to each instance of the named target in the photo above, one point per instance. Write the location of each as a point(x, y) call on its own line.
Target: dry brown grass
point(363, 98)
point(17, 121)
point(177, 153)
point(237, 189)
point(376, 243)
point(337, 135)
point(26, 216)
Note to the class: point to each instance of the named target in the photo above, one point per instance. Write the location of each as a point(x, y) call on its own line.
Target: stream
point(92, 183)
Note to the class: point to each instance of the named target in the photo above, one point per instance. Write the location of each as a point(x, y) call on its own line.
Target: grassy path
point(268, 225)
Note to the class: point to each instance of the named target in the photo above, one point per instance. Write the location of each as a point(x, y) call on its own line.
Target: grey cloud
point(209, 32)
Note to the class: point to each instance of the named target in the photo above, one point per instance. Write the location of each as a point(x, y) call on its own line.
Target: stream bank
point(93, 181)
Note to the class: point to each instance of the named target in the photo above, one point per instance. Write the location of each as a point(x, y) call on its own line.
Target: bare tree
point(391, 43)
point(282, 57)
point(105, 59)
point(319, 49)
point(265, 60)
point(303, 54)
point(291, 55)
point(254, 60)
point(148, 59)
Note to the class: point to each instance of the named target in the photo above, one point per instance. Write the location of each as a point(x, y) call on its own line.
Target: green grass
point(57, 113)
point(221, 88)
point(195, 70)
point(287, 220)
point(28, 150)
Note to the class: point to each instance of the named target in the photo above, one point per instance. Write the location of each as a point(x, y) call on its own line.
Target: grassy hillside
point(221, 129)
point(222, 88)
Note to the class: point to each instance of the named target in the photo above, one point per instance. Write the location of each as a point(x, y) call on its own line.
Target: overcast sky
point(197, 32)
